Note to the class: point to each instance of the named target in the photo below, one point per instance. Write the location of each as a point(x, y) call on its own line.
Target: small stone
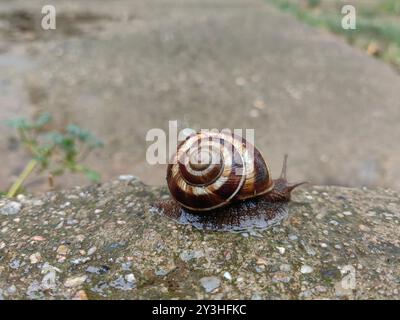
point(10, 208)
point(34, 290)
point(98, 211)
point(38, 238)
point(227, 275)
point(80, 260)
point(305, 294)
point(98, 270)
point(188, 255)
point(49, 280)
point(334, 222)
point(281, 277)
point(60, 225)
point(121, 284)
point(210, 283)
point(126, 265)
point(130, 278)
point(37, 203)
point(347, 213)
point(21, 197)
point(72, 222)
point(292, 237)
point(64, 205)
point(261, 261)
point(81, 295)
point(91, 251)
point(127, 177)
point(35, 257)
point(15, 264)
point(323, 245)
point(160, 272)
point(321, 289)
point(281, 250)
point(341, 291)
point(285, 267)
point(256, 296)
point(306, 269)
point(63, 250)
point(309, 197)
point(75, 281)
point(12, 289)
point(364, 228)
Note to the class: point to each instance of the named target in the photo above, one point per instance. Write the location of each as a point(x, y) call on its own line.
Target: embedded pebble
point(75, 281)
point(80, 260)
point(227, 275)
point(10, 208)
point(15, 264)
point(130, 278)
point(161, 272)
point(281, 277)
point(210, 283)
point(121, 284)
point(188, 255)
point(281, 250)
point(127, 177)
point(35, 257)
point(91, 251)
point(306, 269)
point(285, 267)
point(98, 270)
point(63, 250)
point(364, 228)
point(292, 237)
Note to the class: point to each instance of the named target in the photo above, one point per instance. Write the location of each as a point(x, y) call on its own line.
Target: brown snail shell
point(211, 170)
point(234, 194)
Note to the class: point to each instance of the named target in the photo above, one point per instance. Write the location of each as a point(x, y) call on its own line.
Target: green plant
point(54, 152)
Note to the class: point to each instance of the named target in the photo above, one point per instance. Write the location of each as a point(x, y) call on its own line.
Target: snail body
point(219, 181)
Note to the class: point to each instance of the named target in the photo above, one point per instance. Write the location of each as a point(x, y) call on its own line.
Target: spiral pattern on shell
point(211, 170)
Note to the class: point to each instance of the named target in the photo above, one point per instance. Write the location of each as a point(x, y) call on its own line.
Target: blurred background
point(327, 96)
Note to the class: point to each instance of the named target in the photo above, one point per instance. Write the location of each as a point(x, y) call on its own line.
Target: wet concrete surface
point(121, 68)
point(105, 242)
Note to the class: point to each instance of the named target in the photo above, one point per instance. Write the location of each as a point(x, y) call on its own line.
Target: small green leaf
point(55, 137)
point(78, 132)
point(20, 123)
point(43, 119)
point(84, 135)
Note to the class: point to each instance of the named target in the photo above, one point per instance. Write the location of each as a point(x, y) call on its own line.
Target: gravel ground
point(104, 242)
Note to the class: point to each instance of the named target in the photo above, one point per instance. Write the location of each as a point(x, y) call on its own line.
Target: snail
point(220, 181)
